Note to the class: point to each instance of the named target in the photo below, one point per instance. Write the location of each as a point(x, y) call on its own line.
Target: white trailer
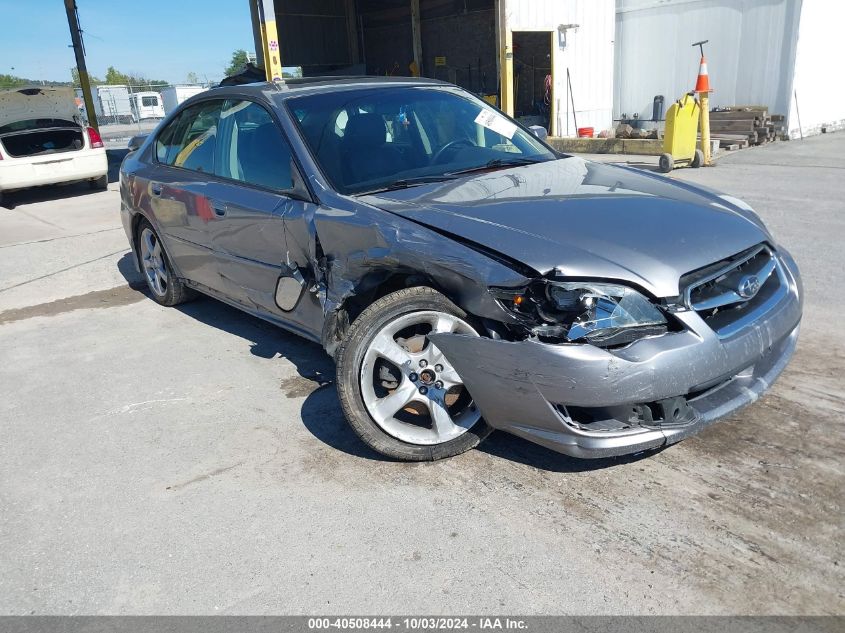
point(148, 105)
point(174, 95)
point(113, 104)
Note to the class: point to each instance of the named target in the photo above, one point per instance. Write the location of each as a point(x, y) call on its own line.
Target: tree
point(134, 79)
point(114, 76)
point(74, 75)
point(239, 60)
point(11, 81)
point(192, 78)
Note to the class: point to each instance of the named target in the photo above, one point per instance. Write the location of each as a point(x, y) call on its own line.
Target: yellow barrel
point(680, 139)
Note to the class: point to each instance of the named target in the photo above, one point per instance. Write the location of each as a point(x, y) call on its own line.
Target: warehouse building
point(570, 64)
point(773, 53)
point(535, 58)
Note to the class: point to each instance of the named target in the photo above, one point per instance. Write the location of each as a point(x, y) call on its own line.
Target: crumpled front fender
point(524, 387)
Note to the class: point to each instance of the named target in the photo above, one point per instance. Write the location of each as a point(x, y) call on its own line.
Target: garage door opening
point(532, 77)
point(455, 40)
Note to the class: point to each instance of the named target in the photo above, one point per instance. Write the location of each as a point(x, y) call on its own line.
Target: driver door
point(256, 186)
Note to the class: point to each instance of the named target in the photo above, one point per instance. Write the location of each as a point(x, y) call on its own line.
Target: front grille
point(730, 295)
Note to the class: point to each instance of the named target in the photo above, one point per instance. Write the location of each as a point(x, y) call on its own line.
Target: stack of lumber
point(738, 127)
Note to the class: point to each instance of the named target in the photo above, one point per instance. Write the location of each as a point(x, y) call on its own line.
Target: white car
point(43, 141)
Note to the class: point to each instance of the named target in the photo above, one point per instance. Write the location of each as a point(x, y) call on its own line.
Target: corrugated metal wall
point(751, 53)
point(313, 33)
point(588, 55)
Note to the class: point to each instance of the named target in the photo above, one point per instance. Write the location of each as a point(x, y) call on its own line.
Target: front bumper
point(528, 387)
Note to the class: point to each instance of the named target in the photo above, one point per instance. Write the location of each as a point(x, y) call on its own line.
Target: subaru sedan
point(464, 275)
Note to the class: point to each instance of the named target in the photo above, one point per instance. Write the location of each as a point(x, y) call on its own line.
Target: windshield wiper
point(404, 183)
point(498, 162)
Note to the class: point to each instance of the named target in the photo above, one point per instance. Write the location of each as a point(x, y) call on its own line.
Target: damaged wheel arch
point(366, 253)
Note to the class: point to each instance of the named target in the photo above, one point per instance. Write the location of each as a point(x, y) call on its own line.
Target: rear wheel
point(99, 183)
point(164, 286)
point(399, 392)
point(697, 159)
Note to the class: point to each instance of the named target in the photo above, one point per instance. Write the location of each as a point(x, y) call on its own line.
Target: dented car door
point(257, 185)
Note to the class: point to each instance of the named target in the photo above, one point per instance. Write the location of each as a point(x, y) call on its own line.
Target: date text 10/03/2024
point(417, 623)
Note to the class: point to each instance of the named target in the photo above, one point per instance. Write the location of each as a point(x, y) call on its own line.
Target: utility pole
point(79, 51)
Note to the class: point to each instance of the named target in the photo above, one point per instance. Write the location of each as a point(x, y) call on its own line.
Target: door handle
point(219, 208)
point(155, 189)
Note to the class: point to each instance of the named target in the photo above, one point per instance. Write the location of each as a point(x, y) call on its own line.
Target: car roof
point(310, 85)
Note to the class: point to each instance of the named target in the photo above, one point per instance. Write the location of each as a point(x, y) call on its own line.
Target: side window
point(167, 143)
point(253, 148)
point(190, 141)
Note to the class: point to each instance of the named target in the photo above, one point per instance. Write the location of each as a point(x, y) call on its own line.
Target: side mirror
point(136, 141)
point(539, 131)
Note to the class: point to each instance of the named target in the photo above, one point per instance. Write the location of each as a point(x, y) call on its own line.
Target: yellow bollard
point(702, 87)
point(705, 126)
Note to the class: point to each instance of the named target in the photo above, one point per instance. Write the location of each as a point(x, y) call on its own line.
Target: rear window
point(149, 101)
point(35, 124)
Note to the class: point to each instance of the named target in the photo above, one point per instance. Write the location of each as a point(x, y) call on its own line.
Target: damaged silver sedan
point(464, 275)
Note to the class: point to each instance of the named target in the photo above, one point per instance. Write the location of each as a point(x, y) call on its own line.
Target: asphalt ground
point(195, 460)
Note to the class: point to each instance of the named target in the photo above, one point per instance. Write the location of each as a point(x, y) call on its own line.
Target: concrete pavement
point(195, 460)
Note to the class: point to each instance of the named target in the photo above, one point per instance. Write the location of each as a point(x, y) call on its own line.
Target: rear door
point(178, 181)
point(256, 187)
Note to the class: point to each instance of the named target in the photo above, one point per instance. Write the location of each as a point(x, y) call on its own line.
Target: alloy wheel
point(152, 259)
point(409, 388)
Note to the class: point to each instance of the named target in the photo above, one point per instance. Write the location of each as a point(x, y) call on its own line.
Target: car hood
point(586, 220)
point(24, 104)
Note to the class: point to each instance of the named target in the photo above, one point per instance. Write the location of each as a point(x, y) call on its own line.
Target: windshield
point(374, 139)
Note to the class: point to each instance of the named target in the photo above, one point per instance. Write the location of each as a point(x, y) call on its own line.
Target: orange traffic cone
point(702, 84)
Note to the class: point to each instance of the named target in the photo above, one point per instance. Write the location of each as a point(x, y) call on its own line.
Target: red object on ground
point(585, 132)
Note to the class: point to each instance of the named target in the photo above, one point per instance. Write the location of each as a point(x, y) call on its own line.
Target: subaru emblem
point(748, 286)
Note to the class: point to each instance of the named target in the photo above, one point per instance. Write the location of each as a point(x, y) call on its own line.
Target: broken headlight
point(587, 312)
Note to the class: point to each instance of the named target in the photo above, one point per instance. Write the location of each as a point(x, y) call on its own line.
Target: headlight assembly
point(602, 308)
point(584, 311)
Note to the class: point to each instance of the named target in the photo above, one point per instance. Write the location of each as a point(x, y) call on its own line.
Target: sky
point(160, 39)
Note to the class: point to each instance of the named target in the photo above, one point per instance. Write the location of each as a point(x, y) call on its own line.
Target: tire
point(697, 159)
point(99, 183)
point(165, 288)
point(667, 163)
point(418, 430)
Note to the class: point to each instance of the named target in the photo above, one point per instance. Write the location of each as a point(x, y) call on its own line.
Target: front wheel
point(398, 391)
